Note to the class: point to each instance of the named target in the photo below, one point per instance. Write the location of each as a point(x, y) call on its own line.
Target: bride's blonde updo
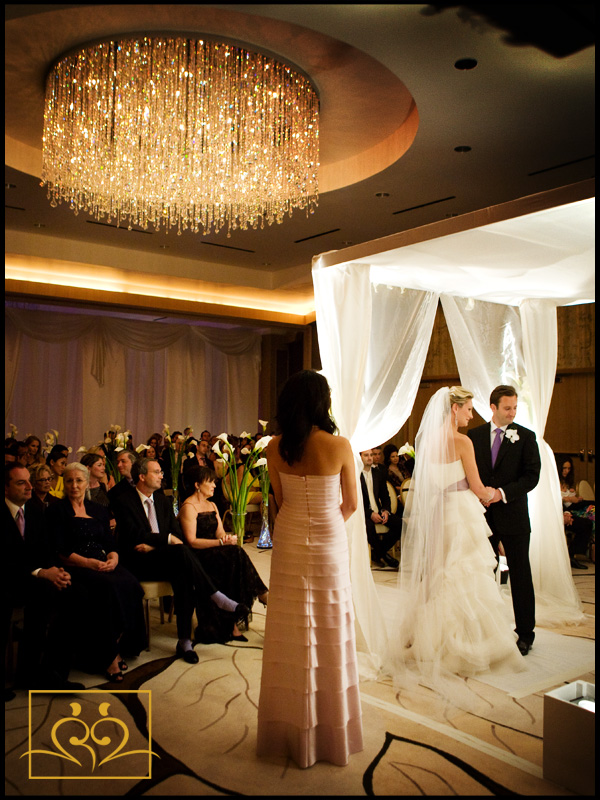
point(459, 395)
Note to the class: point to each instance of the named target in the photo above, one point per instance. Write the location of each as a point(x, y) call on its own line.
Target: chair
point(404, 489)
point(585, 491)
point(156, 590)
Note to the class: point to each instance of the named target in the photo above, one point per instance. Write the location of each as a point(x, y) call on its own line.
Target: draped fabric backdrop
point(373, 339)
point(79, 374)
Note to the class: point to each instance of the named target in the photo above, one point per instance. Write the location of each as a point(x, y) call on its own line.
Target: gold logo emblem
point(89, 736)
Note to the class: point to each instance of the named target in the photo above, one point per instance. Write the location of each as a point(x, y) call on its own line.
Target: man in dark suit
point(35, 581)
point(150, 546)
point(377, 505)
point(125, 461)
point(508, 459)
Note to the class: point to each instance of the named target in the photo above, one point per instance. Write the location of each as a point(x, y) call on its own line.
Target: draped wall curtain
point(373, 340)
point(79, 374)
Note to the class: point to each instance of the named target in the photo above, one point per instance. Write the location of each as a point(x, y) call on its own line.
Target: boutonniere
point(512, 434)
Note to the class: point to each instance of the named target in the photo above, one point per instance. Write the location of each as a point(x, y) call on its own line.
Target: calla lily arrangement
point(240, 478)
point(407, 450)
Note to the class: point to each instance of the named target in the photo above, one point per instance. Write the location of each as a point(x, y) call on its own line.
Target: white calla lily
point(223, 437)
point(261, 462)
point(244, 451)
point(262, 442)
point(245, 435)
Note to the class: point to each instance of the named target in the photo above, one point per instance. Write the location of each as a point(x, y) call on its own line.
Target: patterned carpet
point(199, 721)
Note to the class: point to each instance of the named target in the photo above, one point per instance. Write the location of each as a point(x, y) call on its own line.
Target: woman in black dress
point(111, 614)
point(227, 564)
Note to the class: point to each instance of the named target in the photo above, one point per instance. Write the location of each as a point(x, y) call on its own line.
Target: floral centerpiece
point(264, 540)
point(241, 477)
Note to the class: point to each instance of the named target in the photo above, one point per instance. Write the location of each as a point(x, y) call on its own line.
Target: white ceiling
point(526, 111)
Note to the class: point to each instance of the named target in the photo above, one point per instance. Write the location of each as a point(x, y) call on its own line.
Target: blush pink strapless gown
point(309, 707)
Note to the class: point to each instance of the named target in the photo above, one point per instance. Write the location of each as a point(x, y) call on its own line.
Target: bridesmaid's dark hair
point(304, 401)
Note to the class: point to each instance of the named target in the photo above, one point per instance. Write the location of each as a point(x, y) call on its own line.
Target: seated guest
point(35, 453)
point(227, 564)
point(125, 461)
point(391, 460)
point(104, 477)
point(579, 532)
point(41, 480)
point(35, 581)
point(376, 500)
point(57, 461)
point(150, 541)
point(199, 458)
point(112, 614)
point(97, 491)
point(11, 450)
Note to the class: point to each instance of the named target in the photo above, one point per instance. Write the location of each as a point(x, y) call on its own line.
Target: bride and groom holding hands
point(468, 495)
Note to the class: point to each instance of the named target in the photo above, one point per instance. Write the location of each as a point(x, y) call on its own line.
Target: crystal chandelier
point(180, 133)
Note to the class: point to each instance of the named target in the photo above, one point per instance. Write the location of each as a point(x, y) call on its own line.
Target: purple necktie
point(496, 445)
point(20, 520)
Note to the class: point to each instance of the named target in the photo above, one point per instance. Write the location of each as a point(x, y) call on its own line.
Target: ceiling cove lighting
point(180, 133)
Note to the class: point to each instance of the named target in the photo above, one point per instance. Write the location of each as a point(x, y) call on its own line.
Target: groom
point(508, 459)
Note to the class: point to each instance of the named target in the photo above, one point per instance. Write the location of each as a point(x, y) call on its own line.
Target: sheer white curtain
point(499, 344)
point(373, 341)
point(79, 374)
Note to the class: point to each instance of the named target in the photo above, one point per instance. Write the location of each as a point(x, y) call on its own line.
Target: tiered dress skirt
point(309, 707)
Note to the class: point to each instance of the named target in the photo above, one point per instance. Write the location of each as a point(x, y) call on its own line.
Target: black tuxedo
point(380, 544)
point(45, 650)
point(516, 472)
point(173, 563)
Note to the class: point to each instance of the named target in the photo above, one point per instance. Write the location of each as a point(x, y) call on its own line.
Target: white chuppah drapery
point(373, 340)
point(80, 373)
point(374, 377)
point(497, 344)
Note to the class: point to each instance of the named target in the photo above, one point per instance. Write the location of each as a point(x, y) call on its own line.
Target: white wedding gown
point(453, 621)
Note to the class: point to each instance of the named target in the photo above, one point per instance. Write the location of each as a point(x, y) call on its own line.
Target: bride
point(451, 619)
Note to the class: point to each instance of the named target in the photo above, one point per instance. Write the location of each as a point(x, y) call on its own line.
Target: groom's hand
point(495, 499)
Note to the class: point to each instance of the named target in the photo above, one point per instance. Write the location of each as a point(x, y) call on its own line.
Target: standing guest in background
point(36, 455)
point(112, 616)
point(508, 459)
point(309, 706)
point(57, 461)
point(41, 480)
point(205, 436)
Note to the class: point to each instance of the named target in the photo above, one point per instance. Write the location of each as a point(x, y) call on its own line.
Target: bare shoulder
point(462, 443)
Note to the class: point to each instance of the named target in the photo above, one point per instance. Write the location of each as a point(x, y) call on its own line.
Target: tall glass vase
point(238, 523)
point(264, 540)
point(175, 500)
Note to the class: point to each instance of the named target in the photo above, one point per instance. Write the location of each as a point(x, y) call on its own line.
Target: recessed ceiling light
point(382, 194)
point(38, 225)
point(346, 243)
point(465, 63)
point(164, 246)
point(266, 263)
point(463, 148)
point(10, 185)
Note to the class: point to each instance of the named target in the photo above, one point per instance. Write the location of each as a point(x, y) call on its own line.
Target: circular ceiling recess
point(368, 118)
